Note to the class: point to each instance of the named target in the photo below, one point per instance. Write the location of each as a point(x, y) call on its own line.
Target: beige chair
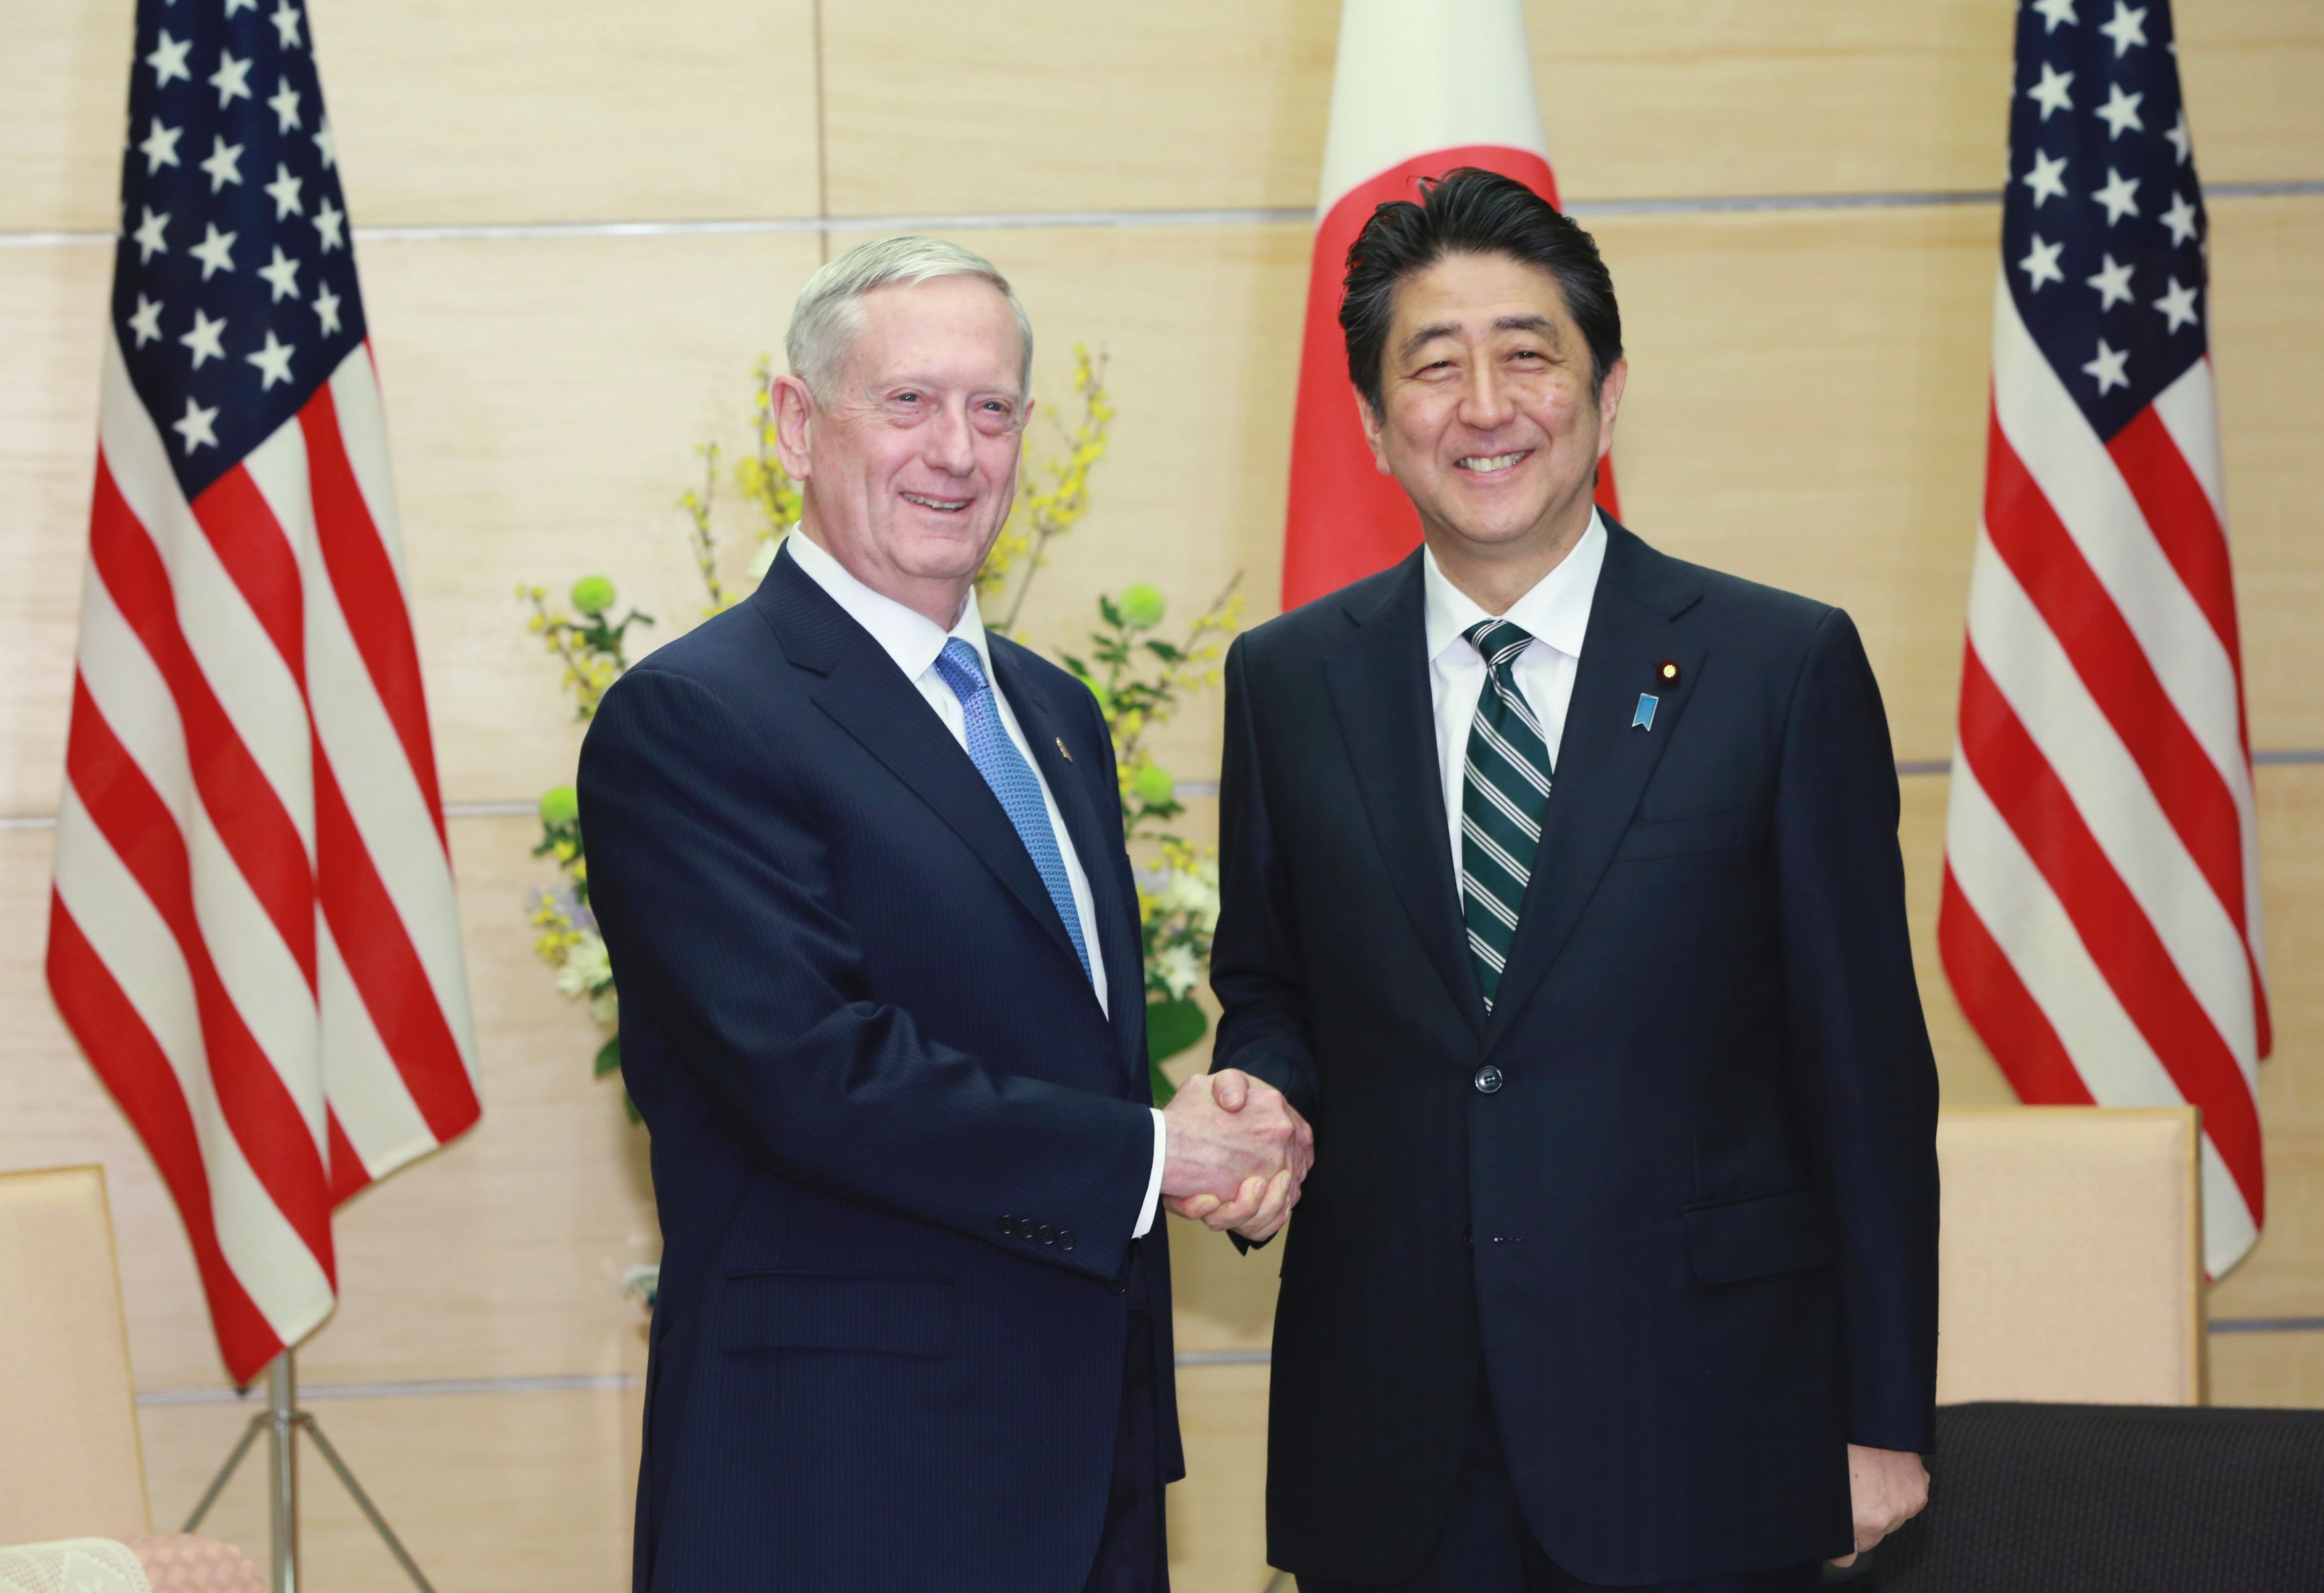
point(69, 1466)
point(2071, 1266)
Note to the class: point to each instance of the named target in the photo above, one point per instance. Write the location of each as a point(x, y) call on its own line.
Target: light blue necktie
point(1012, 780)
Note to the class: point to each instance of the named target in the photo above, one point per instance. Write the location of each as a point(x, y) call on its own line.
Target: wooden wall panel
point(2267, 1369)
point(1218, 1515)
point(513, 1491)
point(1045, 106)
point(519, 110)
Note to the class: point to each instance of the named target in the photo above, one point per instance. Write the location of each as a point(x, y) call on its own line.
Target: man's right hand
point(1238, 1151)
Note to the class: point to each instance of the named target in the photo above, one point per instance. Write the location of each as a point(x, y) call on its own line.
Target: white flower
point(1179, 971)
point(586, 966)
point(1194, 892)
point(604, 1006)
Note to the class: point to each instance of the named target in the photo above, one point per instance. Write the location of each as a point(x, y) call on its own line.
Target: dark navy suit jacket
point(898, 1146)
point(1675, 1197)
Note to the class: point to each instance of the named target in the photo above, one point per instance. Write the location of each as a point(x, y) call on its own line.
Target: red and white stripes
point(2100, 912)
point(254, 935)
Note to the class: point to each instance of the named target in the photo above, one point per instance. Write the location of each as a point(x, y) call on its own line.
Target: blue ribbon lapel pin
point(1644, 718)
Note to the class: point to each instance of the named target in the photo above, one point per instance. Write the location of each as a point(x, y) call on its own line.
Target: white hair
point(829, 314)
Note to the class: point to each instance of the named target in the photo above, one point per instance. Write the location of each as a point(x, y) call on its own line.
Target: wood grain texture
point(522, 111)
point(522, 1493)
point(1046, 106)
point(2267, 1369)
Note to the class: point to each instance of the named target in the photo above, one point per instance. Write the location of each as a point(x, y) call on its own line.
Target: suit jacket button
point(1046, 1234)
point(1064, 1238)
point(1489, 1080)
point(1008, 1225)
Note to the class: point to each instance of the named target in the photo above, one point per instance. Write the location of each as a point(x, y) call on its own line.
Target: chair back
point(69, 1462)
point(2071, 1263)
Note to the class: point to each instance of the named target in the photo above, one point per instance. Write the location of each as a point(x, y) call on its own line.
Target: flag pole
point(282, 1422)
point(283, 1474)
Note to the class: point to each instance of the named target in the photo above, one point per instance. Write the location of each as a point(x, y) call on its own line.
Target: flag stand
point(280, 1421)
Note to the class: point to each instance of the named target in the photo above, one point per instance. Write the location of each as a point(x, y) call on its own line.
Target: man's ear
point(1609, 400)
point(795, 414)
point(1370, 422)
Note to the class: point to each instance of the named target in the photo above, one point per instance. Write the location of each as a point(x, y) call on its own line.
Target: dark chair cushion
point(2042, 1499)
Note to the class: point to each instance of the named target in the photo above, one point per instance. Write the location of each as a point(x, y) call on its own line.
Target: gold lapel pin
point(1061, 750)
point(1668, 673)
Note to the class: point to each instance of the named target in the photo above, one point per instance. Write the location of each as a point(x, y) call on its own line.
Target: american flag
point(2100, 915)
point(252, 932)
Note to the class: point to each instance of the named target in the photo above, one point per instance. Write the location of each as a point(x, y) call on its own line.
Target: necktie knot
point(1498, 642)
point(962, 670)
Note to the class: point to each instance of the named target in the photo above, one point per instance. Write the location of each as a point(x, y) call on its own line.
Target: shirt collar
point(1555, 611)
point(907, 635)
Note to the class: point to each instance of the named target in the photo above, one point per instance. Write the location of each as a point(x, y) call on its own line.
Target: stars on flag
point(2119, 196)
point(145, 325)
point(2120, 112)
point(232, 80)
point(284, 191)
point(282, 276)
point(205, 339)
point(215, 251)
point(198, 425)
point(148, 235)
point(168, 60)
point(2041, 264)
point(2180, 219)
point(2047, 180)
point(224, 164)
point(2113, 283)
point(274, 361)
point(2054, 13)
point(2178, 307)
point(284, 103)
point(2050, 93)
point(2108, 368)
point(161, 146)
point(2178, 138)
point(225, 107)
point(2127, 28)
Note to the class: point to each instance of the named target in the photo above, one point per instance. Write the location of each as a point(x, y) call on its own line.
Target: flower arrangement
point(1140, 676)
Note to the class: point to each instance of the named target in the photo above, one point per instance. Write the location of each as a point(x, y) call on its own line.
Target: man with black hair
point(1563, 897)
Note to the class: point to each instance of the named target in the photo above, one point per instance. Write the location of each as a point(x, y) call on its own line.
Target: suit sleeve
point(1858, 1048)
point(711, 887)
point(1255, 966)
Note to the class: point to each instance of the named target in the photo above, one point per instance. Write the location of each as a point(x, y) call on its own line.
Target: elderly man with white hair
point(860, 867)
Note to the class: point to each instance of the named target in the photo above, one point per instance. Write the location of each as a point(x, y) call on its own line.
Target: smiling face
point(1489, 420)
point(908, 465)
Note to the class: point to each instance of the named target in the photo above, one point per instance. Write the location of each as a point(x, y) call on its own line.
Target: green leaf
point(1164, 651)
point(1163, 1087)
point(609, 1056)
point(1172, 1024)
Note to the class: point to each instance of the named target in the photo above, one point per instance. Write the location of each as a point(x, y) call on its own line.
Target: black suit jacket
point(898, 1146)
point(1690, 1235)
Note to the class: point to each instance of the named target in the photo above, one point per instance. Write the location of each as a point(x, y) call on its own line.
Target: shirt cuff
point(1154, 1179)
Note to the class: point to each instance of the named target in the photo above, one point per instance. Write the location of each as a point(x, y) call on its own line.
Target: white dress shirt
point(914, 640)
point(1556, 613)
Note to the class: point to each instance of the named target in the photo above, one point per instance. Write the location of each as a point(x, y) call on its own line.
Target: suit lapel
point(868, 697)
point(1380, 689)
point(1075, 781)
point(1603, 760)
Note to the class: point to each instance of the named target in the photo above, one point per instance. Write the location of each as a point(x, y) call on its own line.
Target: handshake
point(1238, 1152)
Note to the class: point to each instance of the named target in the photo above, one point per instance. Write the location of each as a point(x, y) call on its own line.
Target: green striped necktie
point(1504, 792)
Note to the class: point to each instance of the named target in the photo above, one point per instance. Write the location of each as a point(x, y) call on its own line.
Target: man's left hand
point(1887, 1487)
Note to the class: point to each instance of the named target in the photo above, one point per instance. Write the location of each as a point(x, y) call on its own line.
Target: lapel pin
point(1061, 750)
point(1667, 672)
point(1644, 719)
